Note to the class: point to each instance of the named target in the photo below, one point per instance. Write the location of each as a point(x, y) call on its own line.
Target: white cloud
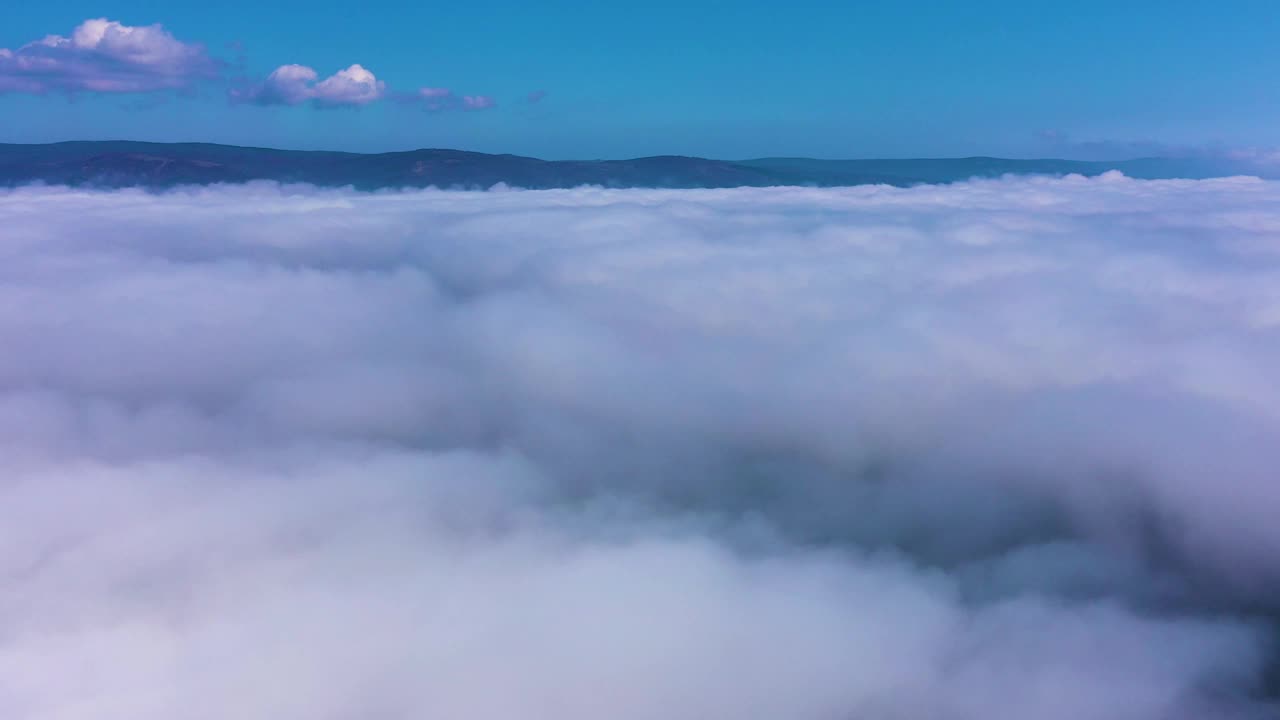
point(295, 84)
point(352, 86)
point(999, 449)
point(105, 56)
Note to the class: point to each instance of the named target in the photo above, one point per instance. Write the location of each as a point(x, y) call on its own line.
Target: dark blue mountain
point(159, 165)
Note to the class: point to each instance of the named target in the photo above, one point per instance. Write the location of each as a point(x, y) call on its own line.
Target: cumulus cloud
point(999, 449)
point(109, 57)
point(105, 56)
point(296, 84)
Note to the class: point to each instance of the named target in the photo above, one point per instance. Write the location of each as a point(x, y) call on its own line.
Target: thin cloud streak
point(437, 99)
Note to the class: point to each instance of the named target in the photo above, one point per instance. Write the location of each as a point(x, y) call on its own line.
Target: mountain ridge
point(128, 163)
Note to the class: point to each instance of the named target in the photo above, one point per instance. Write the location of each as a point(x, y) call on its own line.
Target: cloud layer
point(105, 56)
point(1000, 449)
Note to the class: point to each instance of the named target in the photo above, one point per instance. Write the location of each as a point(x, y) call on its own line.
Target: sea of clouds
point(997, 450)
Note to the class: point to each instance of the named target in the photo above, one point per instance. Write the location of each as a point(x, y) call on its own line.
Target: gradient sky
point(724, 79)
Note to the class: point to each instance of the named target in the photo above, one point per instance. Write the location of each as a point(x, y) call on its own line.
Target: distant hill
point(944, 170)
point(160, 165)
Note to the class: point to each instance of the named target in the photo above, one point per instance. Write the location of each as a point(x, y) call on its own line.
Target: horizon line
point(1042, 158)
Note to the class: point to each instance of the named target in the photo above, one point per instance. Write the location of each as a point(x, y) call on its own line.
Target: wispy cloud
point(478, 102)
point(437, 99)
point(1268, 157)
point(1224, 157)
point(105, 56)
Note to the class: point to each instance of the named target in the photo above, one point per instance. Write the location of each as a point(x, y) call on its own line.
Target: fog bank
point(997, 449)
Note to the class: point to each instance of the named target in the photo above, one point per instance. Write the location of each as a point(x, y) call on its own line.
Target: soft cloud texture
point(296, 84)
point(478, 102)
point(105, 56)
point(436, 99)
point(1206, 160)
point(1000, 449)
point(1268, 157)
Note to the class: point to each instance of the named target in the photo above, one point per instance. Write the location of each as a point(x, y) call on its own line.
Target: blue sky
point(724, 79)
